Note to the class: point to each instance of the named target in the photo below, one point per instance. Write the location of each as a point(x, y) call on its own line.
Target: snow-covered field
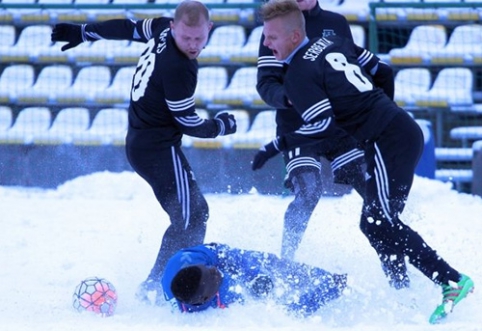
point(110, 225)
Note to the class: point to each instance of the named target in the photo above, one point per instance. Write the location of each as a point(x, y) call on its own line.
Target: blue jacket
point(299, 287)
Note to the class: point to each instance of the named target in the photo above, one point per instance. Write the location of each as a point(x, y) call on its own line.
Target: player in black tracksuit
point(303, 162)
point(161, 110)
point(330, 90)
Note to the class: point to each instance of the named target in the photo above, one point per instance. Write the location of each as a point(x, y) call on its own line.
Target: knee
point(307, 187)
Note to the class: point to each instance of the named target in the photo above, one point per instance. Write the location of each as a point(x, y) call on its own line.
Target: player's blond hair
point(191, 13)
point(286, 9)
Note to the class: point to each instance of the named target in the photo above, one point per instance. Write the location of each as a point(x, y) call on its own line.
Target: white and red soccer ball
point(96, 295)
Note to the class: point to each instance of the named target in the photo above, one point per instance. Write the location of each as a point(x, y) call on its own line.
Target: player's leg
point(304, 180)
point(170, 176)
point(391, 163)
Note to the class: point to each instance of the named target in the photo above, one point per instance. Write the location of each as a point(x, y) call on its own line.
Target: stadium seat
point(353, 10)
point(89, 81)
point(109, 126)
point(463, 46)
point(30, 38)
point(451, 87)
point(224, 41)
point(27, 16)
point(7, 38)
point(261, 132)
point(129, 54)
point(358, 34)
point(249, 52)
point(6, 118)
point(14, 78)
point(211, 80)
point(105, 14)
point(68, 122)
point(466, 134)
point(422, 42)
point(50, 81)
point(240, 15)
point(119, 91)
point(101, 51)
point(410, 81)
point(30, 122)
point(241, 89)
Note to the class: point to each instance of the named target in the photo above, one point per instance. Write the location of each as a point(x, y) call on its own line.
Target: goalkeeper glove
point(226, 123)
point(73, 34)
point(264, 154)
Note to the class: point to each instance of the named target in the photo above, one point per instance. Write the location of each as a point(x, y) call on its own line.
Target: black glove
point(71, 33)
point(226, 123)
point(264, 154)
point(261, 286)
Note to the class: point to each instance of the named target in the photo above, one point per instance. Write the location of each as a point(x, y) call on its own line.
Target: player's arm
point(310, 100)
point(180, 100)
point(118, 29)
point(382, 73)
point(270, 79)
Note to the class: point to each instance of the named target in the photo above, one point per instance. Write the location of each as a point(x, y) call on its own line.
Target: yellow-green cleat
point(452, 295)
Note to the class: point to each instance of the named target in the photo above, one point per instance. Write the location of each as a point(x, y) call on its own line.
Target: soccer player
point(330, 90)
point(216, 276)
point(303, 162)
point(161, 110)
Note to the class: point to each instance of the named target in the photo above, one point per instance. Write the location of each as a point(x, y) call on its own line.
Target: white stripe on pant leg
point(182, 186)
point(381, 180)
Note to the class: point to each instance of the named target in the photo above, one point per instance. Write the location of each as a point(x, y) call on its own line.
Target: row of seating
point(430, 44)
point(227, 44)
point(25, 16)
point(55, 84)
point(427, 44)
point(353, 10)
point(73, 125)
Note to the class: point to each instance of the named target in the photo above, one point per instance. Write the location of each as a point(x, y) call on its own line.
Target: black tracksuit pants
point(169, 174)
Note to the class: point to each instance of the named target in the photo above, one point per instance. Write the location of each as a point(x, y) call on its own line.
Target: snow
point(110, 225)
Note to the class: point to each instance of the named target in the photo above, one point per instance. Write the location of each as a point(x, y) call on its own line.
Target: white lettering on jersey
point(352, 72)
point(315, 50)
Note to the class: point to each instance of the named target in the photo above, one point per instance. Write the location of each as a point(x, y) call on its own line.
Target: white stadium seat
point(68, 122)
point(249, 52)
point(211, 80)
point(109, 126)
point(464, 45)
point(261, 132)
point(422, 42)
point(411, 81)
point(30, 38)
point(451, 87)
point(224, 41)
point(241, 89)
point(14, 78)
point(6, 118)
point(89, 81)
point(51, 80)
point(119, 91)
point(30, 122)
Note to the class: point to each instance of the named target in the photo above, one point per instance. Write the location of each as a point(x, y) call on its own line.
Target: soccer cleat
point(453, 293)
point(150, 291)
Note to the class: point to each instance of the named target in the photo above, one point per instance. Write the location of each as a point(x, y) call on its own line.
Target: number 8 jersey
point(326, 84)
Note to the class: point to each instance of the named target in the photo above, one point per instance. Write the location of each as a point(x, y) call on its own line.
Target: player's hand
point(226, 123)
point(71, 33)
point(264, 154)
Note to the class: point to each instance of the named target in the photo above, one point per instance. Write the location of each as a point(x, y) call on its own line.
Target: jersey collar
point(290, 57)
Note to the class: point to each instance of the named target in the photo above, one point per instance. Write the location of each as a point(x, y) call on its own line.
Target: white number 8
point(352, 72)
point(143, 72)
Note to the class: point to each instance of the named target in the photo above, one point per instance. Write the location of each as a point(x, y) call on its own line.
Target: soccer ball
point(97, 295)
